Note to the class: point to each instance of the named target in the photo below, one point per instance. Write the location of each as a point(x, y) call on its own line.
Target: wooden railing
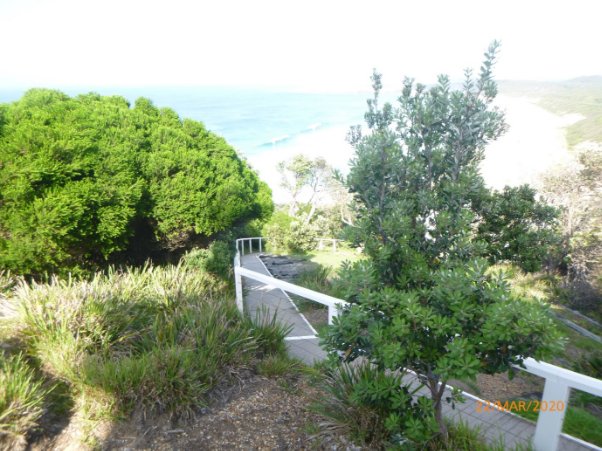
point(558, 381)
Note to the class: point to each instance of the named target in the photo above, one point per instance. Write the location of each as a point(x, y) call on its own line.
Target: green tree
point(301, 175)
point(577, 191)
point(517, 227)
point(424, 300)
point(295, 175)
point(81, 177)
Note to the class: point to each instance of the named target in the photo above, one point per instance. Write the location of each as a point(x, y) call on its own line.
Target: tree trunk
point(310, 215)
point(440, 422)
point(437, 389)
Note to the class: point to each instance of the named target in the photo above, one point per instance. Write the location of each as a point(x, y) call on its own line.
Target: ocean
point(251, 120)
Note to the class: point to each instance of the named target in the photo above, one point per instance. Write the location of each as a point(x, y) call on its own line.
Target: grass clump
point(373, 407)
point(278, 365)
point(268, 333)
point(7, 282)
point(368, 420)
point(155, 338)
point(316, 278)
point(22, 399)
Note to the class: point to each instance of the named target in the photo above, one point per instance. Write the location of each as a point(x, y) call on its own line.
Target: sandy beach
point(534, 143)
point(329, 143)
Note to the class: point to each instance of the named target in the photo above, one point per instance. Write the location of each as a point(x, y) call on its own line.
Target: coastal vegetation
point(423, 299)
point(445, 277)
point(319, 206)
point(580, 96)
point(91, 180)
point(151, 339)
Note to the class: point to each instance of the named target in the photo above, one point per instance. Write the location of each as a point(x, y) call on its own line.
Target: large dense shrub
point(288, 234)
point(83, 178)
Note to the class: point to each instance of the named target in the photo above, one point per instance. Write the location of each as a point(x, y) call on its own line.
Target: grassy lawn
point(334, 259)
point(578, 422)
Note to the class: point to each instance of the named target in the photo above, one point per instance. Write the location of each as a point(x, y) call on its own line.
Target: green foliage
point(216, 259)
point(7, 282)
point(590, 364)
point(374, 407)
point(316, 278)
point(278, 365)
point(159, 338)
point(268, 332)
point(82, 177)
point(277, 231)
point(577, 191)
point(22, 399)
point(423, 299)
point(307, 181)
point(517, 227)
point(302, 237)
point(287, 234)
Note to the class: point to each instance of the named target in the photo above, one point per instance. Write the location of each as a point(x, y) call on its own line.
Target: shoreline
point(329, 143)
point(534, 144)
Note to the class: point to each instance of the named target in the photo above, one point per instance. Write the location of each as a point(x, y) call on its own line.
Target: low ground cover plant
point(152, 338)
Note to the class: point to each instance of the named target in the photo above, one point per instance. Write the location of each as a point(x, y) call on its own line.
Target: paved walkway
point(496, 426)
point(301, 341)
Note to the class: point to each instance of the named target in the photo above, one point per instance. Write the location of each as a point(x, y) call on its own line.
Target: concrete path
point(262, 299)
point(496, 426)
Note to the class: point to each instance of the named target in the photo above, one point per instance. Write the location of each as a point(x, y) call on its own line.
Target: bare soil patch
point(257, 413)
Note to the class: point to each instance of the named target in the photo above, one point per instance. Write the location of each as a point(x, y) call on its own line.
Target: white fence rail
point(241, 243)
point(558, 381)
point(333, 242)
point(332, 303)
point(557, 388)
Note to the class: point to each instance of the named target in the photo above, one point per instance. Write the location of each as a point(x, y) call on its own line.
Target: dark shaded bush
point(217, 259)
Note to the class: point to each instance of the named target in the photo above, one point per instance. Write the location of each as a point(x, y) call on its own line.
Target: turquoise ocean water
point(252, 120)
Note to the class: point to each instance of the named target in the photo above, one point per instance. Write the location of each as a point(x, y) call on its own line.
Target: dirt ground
point(257, 413)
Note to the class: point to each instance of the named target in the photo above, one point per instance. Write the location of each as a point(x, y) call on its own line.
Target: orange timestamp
point(520, 406)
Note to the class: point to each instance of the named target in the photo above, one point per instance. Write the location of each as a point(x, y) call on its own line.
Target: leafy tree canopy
point(424, 298)
point(80, 177)
point(517, 227)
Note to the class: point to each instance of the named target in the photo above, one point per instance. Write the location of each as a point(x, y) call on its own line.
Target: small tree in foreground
point(424, 299)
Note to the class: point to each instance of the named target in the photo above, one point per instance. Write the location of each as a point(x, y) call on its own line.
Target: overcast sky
point(305, 44)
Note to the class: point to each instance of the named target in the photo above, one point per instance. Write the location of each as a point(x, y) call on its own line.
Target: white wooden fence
point(333, 242)
point(558, 381)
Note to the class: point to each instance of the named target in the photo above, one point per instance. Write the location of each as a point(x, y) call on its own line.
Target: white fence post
point(260, 240)
point(251, 246)
point(549, 422)
point(238, 285)
point(332, 312)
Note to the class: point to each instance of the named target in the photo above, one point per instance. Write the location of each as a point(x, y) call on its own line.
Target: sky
point(325, 45)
